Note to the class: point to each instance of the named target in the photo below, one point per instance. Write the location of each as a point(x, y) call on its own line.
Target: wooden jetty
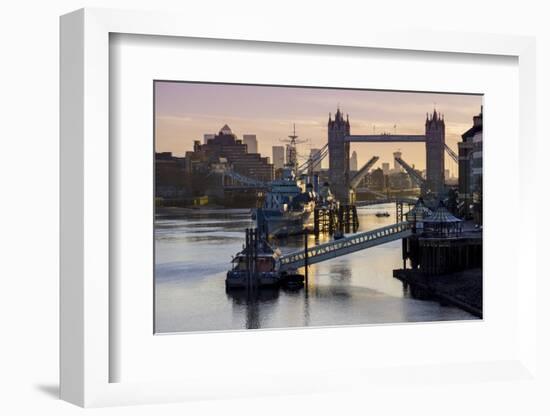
point(329, 220)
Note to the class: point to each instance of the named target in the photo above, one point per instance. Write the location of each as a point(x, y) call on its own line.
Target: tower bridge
point(340, 137)
point(338, 151)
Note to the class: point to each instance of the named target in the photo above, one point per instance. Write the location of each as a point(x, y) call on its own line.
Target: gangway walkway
point(346, 245)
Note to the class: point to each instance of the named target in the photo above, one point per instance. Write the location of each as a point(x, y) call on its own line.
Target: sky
point(184, 112)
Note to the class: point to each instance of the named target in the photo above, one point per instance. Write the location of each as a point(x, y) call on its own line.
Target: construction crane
point(354, 182)
point(415, 176)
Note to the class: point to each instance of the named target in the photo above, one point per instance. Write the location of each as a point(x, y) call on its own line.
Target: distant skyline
point(184, 112)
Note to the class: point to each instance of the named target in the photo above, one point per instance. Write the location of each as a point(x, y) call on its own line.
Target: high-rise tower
point(251, 143)
point(338, 150)
point(353, 162)
point(396, 166)
point(435, 152)
point(278, 157)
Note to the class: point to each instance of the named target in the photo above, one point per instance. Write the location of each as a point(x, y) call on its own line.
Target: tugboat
point(382, 214)
point(263, 267)
point(260, 268)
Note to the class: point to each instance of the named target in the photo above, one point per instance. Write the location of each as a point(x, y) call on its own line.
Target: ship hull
point(286, 224)
point(240, 279)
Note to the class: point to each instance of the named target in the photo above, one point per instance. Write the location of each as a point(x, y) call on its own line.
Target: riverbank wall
point(461, 289)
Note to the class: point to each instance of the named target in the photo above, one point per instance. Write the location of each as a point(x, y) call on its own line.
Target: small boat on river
point(262, 266)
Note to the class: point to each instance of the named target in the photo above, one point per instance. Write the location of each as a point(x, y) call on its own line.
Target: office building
point(377, 180)
point(396, 166)
point(353, 162)
point(470, 165)
point(314, 154)
point(251, 142)
point(227, 148)
point(278, 157)
point(207, 136)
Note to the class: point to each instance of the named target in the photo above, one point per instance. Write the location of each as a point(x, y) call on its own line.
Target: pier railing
point(346, 245)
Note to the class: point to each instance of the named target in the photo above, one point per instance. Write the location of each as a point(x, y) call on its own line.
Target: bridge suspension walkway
point(345, 245)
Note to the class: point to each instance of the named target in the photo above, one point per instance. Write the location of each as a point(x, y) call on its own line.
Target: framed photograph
point(239, 211)
point(249, 226)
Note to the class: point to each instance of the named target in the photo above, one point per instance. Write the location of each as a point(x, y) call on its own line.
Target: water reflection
point(253, 301)
point(193, 251)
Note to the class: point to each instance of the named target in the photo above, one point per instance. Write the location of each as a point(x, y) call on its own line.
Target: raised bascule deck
point(347, 245)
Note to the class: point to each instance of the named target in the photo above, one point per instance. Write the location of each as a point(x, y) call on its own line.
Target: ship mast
point(291, 152)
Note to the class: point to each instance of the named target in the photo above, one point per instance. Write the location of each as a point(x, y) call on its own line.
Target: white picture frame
point(86, 355)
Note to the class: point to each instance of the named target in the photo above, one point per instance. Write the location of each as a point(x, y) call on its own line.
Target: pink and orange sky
point(186, 111)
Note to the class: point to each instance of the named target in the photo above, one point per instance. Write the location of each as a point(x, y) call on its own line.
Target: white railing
point(346, 245)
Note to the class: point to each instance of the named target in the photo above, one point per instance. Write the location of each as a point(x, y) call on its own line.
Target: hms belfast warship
point(289, 204)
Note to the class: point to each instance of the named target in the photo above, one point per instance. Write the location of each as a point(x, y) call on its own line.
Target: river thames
point(193, 249)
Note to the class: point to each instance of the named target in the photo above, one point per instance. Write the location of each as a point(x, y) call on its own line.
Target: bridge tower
point(435, 152)
point(338, 151)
